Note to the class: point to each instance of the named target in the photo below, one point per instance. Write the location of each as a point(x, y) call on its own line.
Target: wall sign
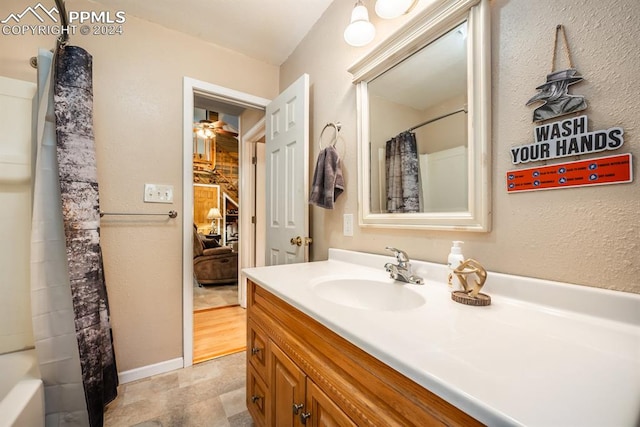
point(599, 171)
point(554, 94)
point(568, 137)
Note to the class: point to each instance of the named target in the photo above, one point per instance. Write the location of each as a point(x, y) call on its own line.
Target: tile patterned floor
point(209, 296)
point(211, 393)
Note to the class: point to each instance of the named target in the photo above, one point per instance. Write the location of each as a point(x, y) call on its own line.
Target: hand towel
point(328, 182)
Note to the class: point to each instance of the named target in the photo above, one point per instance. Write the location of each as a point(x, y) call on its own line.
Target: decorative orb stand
point(471, 295)
point(463, 298)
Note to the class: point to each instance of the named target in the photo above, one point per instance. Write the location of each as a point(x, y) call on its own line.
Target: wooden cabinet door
point(322, 411)
point(258, 398)
point(287, 389)
point(257, 348)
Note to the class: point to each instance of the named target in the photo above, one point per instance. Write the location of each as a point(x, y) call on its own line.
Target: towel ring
point(337, 126)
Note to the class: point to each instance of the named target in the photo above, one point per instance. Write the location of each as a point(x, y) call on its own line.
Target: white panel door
point(287, 175)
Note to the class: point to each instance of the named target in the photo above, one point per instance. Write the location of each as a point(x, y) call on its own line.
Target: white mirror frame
point(424, 28)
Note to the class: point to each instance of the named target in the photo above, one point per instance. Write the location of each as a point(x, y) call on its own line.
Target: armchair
point(212, 266)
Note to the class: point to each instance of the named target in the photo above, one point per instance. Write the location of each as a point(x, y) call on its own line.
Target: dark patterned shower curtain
point(403, 183)
point(69, 299)
point(81, 212)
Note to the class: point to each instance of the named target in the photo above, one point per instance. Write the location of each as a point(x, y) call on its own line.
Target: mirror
point(424, 122)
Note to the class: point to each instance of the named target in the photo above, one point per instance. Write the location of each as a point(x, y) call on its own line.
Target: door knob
point(299, 241)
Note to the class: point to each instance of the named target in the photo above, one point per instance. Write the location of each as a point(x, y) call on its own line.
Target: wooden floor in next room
point(218, 331)
point(219, 323)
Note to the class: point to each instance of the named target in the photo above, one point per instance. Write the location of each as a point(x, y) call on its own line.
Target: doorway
point(250, 111)
point(216, 267)
point(216, 204)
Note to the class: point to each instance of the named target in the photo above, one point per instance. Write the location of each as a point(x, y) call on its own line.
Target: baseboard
point(150, 370)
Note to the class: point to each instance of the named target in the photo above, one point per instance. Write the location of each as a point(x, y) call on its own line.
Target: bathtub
point(21, 390)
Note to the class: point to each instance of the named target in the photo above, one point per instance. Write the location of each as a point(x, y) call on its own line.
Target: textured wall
point(138, 79)
point(588, 236)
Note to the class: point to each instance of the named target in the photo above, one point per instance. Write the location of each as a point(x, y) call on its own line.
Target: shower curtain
point(69, 300)
point(403, 182)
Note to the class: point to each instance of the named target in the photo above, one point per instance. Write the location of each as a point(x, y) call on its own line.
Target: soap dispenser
point(454, 260)
point(455, 256)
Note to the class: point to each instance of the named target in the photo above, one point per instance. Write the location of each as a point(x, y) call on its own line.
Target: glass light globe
point(360, 31)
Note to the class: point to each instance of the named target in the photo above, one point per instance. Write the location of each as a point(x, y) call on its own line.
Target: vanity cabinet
point(291, 399)
point(301, 373)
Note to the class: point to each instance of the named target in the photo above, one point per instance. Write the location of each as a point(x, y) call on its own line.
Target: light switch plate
point(347, 228)
point(157, 193)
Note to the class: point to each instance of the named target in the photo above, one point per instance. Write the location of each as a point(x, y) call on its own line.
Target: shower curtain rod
point(172, 214)
point(461, 110)
point(62, 11)
point(64, 35)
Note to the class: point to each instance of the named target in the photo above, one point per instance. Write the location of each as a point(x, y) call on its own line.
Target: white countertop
point(542, 354)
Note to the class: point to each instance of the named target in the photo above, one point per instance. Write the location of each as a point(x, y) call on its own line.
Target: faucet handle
point(400, 255)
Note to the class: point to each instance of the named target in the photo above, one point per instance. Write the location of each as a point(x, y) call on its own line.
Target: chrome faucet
point(402, 270)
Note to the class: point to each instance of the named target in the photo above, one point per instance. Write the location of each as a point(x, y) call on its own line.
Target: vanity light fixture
point(360, 30)
point(389, 9)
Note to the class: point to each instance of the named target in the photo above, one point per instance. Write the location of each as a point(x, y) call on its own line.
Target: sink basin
point(368, 294)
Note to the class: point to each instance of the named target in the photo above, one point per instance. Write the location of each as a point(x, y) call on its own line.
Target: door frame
point(192, 86)
point(252, 254)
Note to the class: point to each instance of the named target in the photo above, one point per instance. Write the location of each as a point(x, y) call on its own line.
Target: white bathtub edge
point(18, 411)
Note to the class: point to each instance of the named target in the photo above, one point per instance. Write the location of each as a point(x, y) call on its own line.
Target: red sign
point(599, 171)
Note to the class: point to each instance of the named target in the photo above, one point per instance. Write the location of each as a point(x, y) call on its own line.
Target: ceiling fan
point(204, 129)
point(208, 129)
point(204, 143)
point(204, 152)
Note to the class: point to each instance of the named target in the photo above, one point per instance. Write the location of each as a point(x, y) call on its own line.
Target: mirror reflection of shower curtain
point(69, 302)
point(402, 171)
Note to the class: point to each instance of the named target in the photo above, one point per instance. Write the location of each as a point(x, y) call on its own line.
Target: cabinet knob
point(255, 398)
point(304, 417)
point(255, 350)
point(297, 407)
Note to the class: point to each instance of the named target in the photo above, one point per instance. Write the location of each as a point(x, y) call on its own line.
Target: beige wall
point(588, 236)
point(138, 81)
